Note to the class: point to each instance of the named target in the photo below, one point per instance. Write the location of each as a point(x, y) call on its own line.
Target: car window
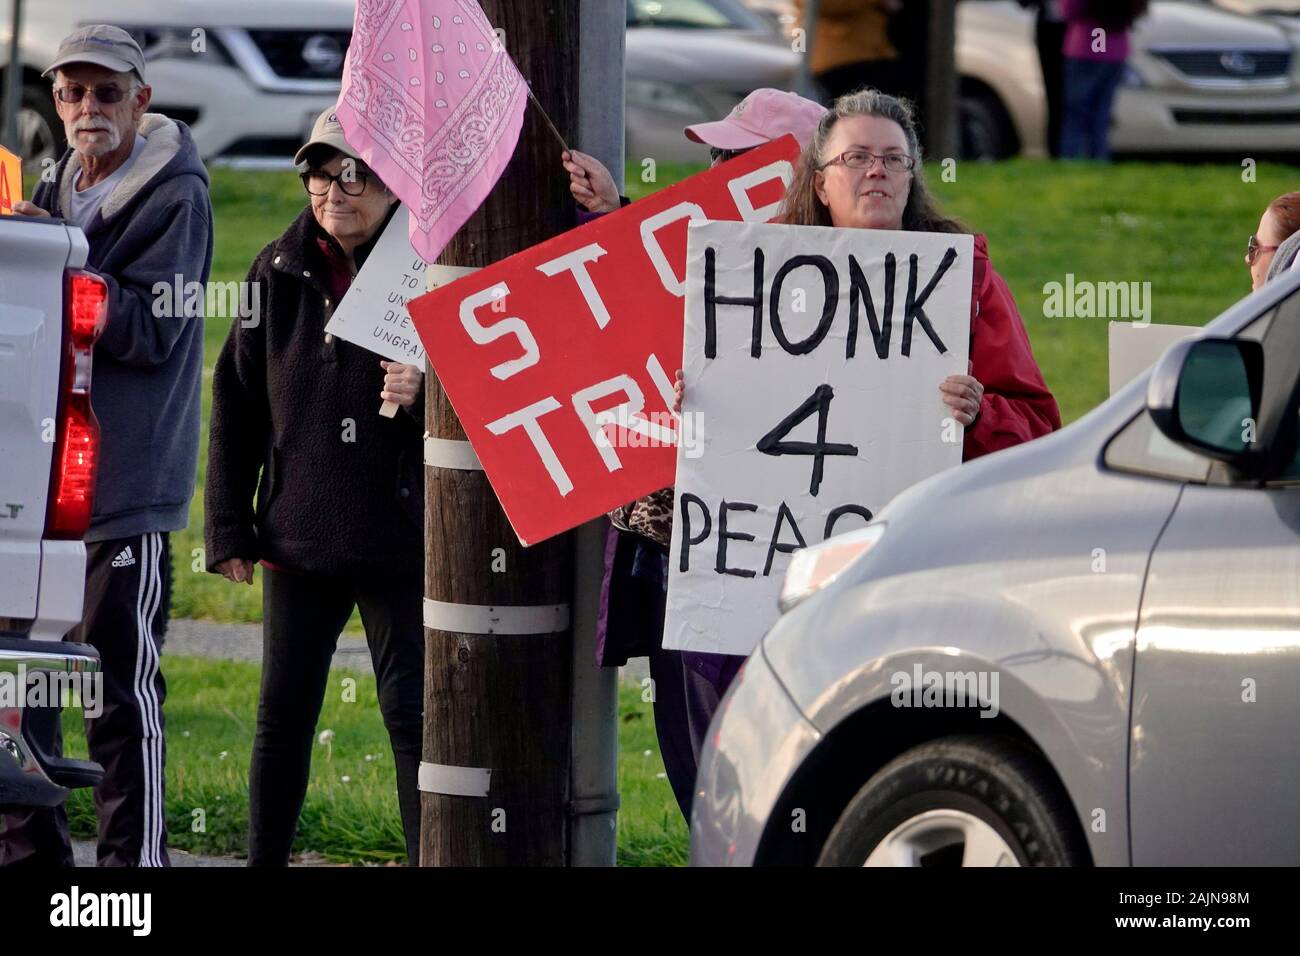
point(690, 14)
point(1142, 448)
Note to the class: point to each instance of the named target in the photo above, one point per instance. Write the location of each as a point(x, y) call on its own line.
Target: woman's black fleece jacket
point(295, 418)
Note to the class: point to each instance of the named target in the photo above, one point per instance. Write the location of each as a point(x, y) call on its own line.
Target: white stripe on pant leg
point(146, 580)
point(153, 664)
point(149, 839)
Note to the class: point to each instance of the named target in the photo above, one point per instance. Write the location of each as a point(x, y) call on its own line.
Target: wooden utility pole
point(494, 774)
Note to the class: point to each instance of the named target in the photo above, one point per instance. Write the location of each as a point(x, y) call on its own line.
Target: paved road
point(83, 851)
point(243, 642)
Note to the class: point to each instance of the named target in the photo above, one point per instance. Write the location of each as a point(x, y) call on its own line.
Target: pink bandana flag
point(433, 103)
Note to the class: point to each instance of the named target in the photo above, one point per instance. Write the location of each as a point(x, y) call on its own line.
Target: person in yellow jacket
point(851, 47)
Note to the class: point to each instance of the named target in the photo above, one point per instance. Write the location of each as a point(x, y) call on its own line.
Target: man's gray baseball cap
point(103, 45)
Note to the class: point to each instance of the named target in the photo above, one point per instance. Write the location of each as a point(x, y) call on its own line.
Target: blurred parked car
point(1286, 12)
point(266, 70)
point(248, 77)
point(1201, 79)
point(1109, 619)
point(691, 61)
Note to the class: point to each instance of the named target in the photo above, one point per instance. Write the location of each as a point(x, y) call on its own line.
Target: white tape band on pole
point(487, 619)
point(453, 781)
point(448, 453)
point(439, 275)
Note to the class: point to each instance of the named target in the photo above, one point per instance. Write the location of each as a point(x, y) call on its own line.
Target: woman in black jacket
point(339, 515)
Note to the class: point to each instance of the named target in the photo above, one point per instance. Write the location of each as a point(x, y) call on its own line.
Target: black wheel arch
point(972, 88)
point(850, 754)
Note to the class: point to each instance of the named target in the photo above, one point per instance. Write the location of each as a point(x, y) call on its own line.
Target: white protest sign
point(812, 359)
point(1134, 348)
point(373, 313)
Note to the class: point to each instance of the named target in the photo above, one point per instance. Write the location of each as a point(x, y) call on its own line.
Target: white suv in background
point(262, 72)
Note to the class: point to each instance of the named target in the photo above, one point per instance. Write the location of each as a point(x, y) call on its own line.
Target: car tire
point(40, 131)
point(958, 801)
point(985, 130)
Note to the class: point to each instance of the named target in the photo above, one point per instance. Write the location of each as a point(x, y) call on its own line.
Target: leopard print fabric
point(650, 517)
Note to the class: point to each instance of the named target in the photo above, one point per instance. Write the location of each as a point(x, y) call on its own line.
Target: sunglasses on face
point(107, 94)
point(352, 182)
point(724, 155)
point(1253, 249)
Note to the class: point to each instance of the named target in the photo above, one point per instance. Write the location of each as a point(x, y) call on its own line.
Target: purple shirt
point(1079, 29)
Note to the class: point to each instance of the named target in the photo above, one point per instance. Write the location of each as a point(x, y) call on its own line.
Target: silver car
point(691, 61)
point(1083, 650)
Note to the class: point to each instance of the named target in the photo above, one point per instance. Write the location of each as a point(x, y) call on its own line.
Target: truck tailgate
point(33, 256)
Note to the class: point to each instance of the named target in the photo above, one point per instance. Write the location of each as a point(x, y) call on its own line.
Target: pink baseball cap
point(759, 118)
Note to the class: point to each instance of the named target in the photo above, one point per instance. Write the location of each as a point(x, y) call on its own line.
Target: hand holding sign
point(963, 394)
point(401, 383)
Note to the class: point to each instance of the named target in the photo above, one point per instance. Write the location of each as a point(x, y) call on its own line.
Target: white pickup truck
point(51, 313)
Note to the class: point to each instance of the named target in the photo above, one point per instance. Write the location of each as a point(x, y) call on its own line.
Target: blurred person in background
point(1096, 50)
point(1049, 37)
point(851, 47)
point(339, 521)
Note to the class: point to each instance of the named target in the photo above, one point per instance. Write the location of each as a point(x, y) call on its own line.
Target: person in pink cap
point(762, 116)
point(686, 686)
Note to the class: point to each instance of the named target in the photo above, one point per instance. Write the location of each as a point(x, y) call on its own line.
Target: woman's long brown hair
point(801, 207)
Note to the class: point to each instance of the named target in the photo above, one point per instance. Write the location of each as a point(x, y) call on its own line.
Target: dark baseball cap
point(103, 45)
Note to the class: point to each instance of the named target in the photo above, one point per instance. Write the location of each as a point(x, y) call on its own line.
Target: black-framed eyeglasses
point(107, 94)
point(351, 181)
point(861, 159)
point(1253, 249)
point(724, 155)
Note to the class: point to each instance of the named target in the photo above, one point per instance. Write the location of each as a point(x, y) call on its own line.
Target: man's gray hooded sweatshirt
point(152, 231)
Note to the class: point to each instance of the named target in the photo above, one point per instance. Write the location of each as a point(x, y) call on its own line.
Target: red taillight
point(87, 295)
point(76, 452)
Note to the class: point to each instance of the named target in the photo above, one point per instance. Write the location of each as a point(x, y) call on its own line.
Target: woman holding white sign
point(862, 170)
point(339, 516)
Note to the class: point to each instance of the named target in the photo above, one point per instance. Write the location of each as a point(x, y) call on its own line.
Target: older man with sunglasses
point(134, 183)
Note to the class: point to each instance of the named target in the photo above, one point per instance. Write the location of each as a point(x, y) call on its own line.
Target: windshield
point(693, 14)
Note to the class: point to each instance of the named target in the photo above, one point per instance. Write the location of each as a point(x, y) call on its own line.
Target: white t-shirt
point(86, 202)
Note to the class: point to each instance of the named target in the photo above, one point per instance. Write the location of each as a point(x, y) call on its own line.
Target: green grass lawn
point(1182, 228)
point(350, 815)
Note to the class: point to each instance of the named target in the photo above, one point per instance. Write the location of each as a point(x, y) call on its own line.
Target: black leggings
point(302, 617)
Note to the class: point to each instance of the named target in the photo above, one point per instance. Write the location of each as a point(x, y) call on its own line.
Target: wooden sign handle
point(388, 409)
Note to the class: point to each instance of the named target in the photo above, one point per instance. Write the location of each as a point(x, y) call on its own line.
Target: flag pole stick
point(546, 117)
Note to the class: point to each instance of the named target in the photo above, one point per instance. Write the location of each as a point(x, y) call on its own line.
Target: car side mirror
point(1204, 394)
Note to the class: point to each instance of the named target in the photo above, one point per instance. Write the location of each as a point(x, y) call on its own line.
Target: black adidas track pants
point(128, 597)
